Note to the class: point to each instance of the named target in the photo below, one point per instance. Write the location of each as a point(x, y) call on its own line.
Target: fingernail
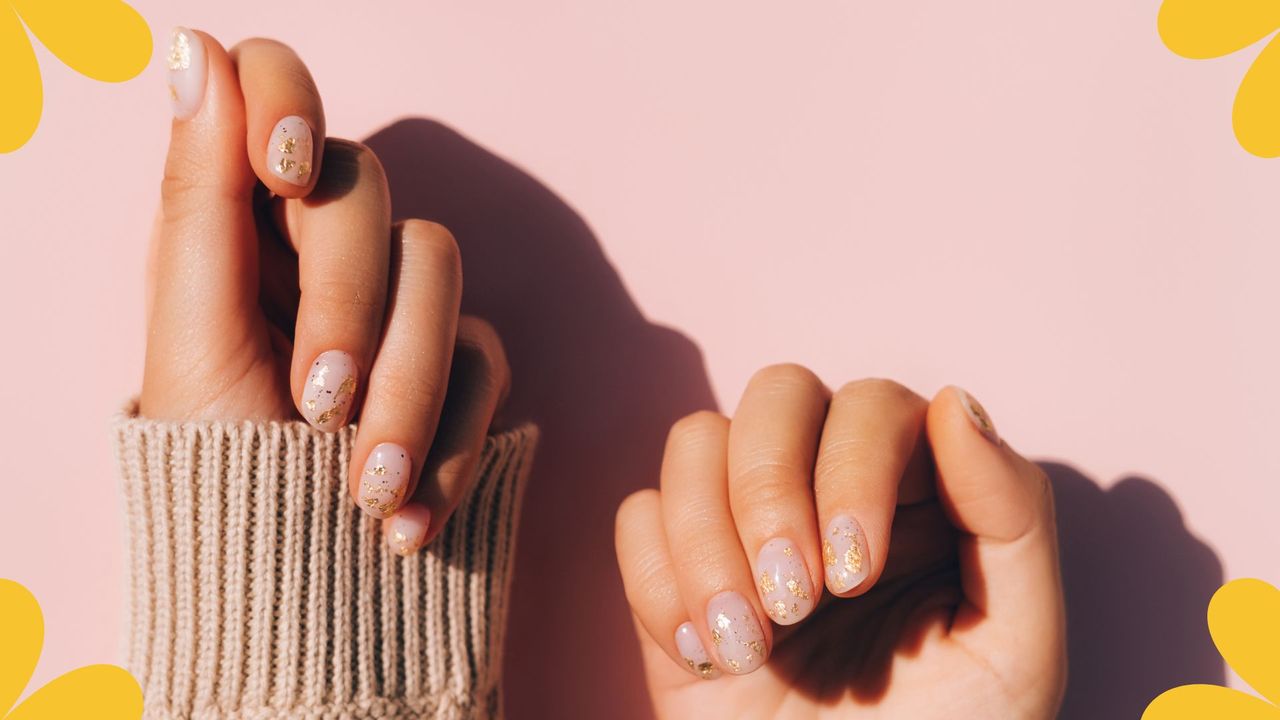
point(385, 479)
point(844, 554)
point(331, 385)
point(736, 632)
point(979, 416)
point(407, 529)
point(289, 150)
point(784, 582)
point(695, 656)
point(187, 70)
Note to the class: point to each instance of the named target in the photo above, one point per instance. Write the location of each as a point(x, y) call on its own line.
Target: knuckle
point(419, 393)
point(703, 426)
point(786, 376)
point(876, 389)
point(334, 296)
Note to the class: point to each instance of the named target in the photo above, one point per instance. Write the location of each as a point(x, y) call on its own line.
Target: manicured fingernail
point(695, 656)
point(385, 479)
point(736, 632)
point(289, 150)
point(331, 385)
point(407, 529)
point(844, 554)
point(979, 416)
point(187, 72)
point(784, 582)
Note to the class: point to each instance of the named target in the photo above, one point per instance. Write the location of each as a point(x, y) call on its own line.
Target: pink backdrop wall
point(1036, 201)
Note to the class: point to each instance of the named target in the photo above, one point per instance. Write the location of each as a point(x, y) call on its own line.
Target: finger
point(342, 234)
point(649, 581)
point(869, 440)
point(411, 371)
point(478, 381)
point(1003, 506)
point(204, 258)
point(773, 443)
point(712, 573)
point(284, 116)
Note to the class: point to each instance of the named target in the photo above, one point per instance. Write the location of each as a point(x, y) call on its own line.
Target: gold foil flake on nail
point(319, 379)
point(853, 558)
point(795, 588)
point(757, 647)
point(779, 610)
point(705, 669)
point(766, 583)
point(284, 166)
point(828, 554)
point(378, 469)
point(735, 665)
point(723, 621)
point(286, 146)
point(979, 413)
point(787, 551)
point(173, 93)
point(716, 637)
point(348, 386)
point(311, 405)
point(179, 51)
point(304, 169)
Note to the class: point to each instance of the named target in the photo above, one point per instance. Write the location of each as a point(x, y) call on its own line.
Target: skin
point(961, 614)
point(251, 277)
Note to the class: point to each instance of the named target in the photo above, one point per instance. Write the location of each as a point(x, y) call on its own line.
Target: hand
point(278, 287)
point(934, 539)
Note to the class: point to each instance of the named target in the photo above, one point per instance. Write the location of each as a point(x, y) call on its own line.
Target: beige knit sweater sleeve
point(258, 589)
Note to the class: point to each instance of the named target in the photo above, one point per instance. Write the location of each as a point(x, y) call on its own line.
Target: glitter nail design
point(329, 390)
point(694, 654)
point(384, 480)
point(979, 416)
point(736, 632)
point(784, 582)
point(289, 150)
point(407, 529)
point(187, 71)
point(844, 554)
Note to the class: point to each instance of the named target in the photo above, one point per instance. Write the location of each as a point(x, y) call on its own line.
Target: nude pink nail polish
point(784, 582)
point(289, 150)
point(188, 71)
point(695, 655)
point(385, 479)
point(406, 531)
point(736, 632)
point(329, 390)
point(978, 415)
point(844, 554)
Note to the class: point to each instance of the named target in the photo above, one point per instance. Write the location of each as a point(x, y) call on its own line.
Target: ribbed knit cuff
point(259, 590)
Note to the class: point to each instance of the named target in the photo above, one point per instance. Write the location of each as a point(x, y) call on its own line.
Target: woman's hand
point(934, 539)
point(278, 287)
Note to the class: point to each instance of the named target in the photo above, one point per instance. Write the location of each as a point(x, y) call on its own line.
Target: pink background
point(1036, 201)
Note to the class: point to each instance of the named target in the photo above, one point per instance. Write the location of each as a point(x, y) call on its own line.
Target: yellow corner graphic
point(102, 39)
point(1244, 621)
point(97, 691)
point(1202, 29)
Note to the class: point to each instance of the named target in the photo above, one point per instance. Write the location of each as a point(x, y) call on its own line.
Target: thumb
point(203, 272)
point(1003, 506)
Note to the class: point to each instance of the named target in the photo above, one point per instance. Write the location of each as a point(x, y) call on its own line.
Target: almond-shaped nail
point(330, 388)
point(736, 632)
point(187, 72)
point(289, 150)
point(694, 654)
point(385, 479)
point(979, 416)
point(784, 582)
point(844, 554)
point(406, 531)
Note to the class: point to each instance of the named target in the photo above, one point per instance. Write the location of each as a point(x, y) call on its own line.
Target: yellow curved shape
point(22, 627)
point(1202, 702)
point(1244, 621)
point(21, 94)
point(1212, 28)
point(96, 691)
point(1256, 113)
point(103, 39)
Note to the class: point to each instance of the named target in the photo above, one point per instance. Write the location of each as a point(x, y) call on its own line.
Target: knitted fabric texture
point(259, 590)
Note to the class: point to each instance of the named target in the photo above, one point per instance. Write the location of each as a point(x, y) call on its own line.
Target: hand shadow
point(1138, 584)
point(602, 382)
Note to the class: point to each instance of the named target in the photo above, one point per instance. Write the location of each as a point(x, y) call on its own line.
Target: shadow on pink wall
point(605, 384)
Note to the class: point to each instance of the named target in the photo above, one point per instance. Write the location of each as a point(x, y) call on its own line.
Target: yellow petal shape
point(22, 631)
point(94, 691)
point(1257, 107)
point(21, 95)
point(1208, 702)
point(102, 39)
point(1213, 28)
point(1244, 621)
